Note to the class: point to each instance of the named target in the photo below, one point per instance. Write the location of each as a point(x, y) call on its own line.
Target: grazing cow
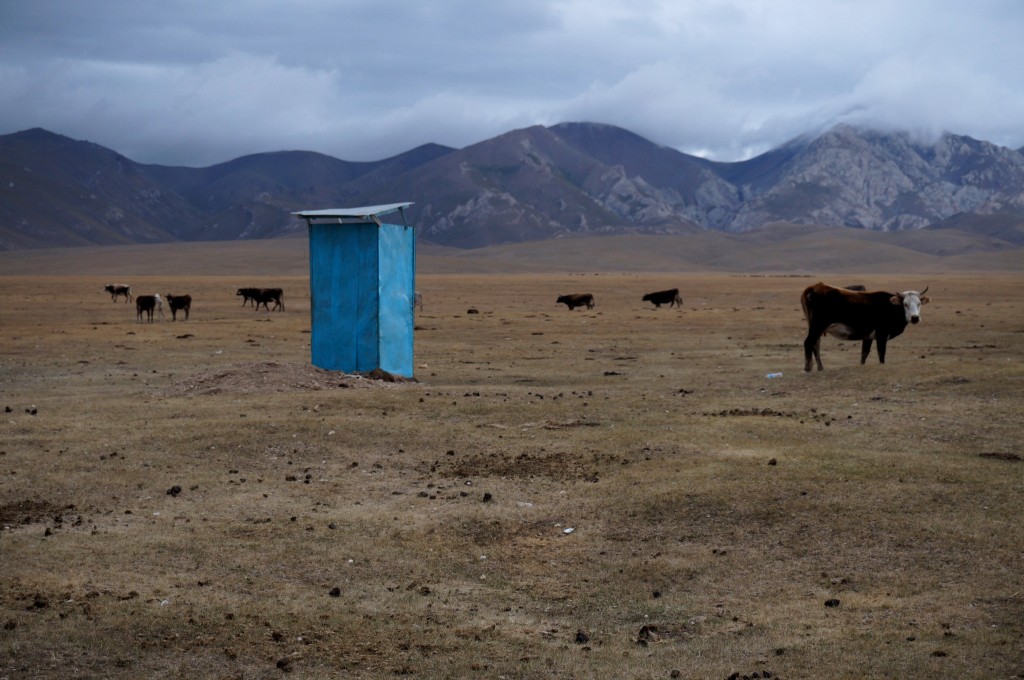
point(665, 297)
point(265, 295)
point(248, 295)
point(176, 302)
point(159, 305)
point(144, 304)
point(118, 289)
point(574, 300)
point(857, 315)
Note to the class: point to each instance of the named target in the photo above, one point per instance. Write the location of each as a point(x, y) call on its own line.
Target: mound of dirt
point(272, 376)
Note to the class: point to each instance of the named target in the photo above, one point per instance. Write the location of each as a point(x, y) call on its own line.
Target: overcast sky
point(195, 82)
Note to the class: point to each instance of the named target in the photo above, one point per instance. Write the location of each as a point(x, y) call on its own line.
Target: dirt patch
point(271, 376)
point(30, 512)
point(1000, 455)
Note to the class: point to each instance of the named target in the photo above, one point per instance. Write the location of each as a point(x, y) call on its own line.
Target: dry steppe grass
point(615, 493)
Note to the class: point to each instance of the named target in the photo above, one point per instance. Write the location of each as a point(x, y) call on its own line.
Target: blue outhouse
point(362, 283)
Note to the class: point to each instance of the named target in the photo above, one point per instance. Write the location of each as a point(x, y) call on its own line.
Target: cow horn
point(925, 290)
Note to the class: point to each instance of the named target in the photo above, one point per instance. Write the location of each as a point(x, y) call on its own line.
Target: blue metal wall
point(362, 282)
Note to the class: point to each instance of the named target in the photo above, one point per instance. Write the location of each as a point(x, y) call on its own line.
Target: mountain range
point(532, 184)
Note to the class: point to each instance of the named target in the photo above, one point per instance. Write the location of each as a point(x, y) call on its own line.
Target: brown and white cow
point(855, 315)
point(176, 302)
point(574, 300)
point(118, 289)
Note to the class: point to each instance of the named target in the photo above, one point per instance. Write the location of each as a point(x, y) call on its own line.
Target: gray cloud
point(196, 83)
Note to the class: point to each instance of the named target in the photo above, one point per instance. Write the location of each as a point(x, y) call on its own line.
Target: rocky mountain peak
point(533, 183)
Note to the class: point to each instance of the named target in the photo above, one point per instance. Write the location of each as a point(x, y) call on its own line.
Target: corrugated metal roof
point(368, 213)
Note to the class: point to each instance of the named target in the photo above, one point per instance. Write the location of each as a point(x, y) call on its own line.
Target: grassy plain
point(615, 493)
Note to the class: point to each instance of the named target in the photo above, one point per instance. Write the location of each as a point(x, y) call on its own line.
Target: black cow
point(118, 289)
point(668, 297)
point(176, 302)
point(857, 315)
point(574, 300)
point(144, 304)
point(248, 295)
point(265, 295)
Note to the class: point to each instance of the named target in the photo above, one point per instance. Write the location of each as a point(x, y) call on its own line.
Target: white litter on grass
point(568, 530)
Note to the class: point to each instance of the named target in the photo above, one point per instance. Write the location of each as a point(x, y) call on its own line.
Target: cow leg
point(812, 348)
point(865, 350)
point(881, 348)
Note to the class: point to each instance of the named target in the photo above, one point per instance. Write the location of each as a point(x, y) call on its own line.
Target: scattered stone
point(487, 497)
point(833, 602)
point(472, 310)
point(582, 637)
point(174, 490)
point(773, 462)
point(334, 592)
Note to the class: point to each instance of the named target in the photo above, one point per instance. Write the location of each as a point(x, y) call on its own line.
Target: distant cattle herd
point(261, 296)
point(847, 313)
point(148, 305)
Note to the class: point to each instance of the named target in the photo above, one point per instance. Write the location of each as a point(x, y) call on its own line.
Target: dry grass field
point(614, 493)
